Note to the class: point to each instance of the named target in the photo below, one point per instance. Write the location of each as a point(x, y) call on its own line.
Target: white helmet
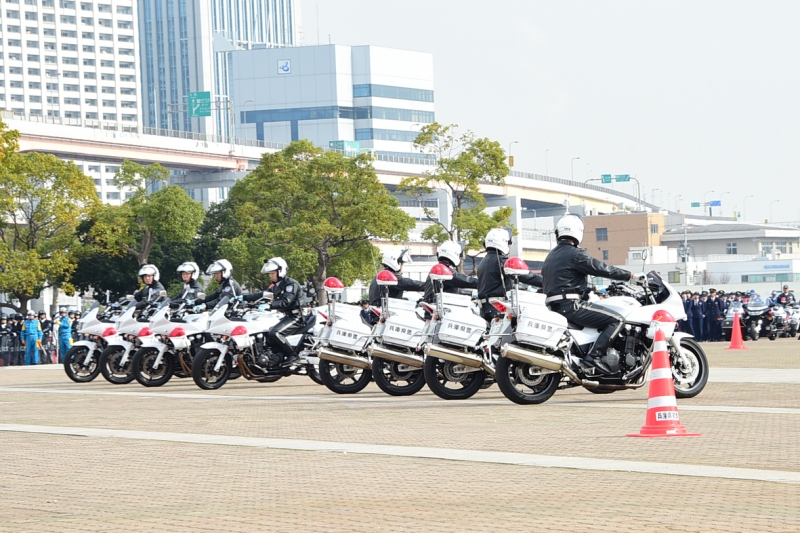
point(498, 238)
point(451, 251)
point(221, 265)
point(394, 260)
point(275, 264)
point(190, 267)
point(570, 226)
point(150, 270)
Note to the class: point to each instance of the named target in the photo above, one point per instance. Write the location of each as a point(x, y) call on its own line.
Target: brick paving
point(62, 483)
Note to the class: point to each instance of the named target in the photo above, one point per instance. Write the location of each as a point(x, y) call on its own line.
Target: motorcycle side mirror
point(162, 293)
point(645, 254)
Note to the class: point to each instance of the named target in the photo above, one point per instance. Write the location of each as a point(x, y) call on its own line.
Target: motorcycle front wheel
point(689, 369)
point(145, 372)
point(447, 384)
point(343, 379)
point(204, 370)
point(395, 379)
point(524, 384)
point(313, 373)
point(754, 332)
point(112, 367)
point(75, 368)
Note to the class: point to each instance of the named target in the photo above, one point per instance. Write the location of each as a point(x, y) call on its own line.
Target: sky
point(689, 97)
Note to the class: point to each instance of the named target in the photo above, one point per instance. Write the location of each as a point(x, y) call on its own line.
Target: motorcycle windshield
point(657, 286)
point(736, 307)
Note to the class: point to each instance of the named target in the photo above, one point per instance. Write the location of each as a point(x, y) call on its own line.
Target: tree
point(134, 226)
point(42, 200)
point(318, 210)
point(463, 162)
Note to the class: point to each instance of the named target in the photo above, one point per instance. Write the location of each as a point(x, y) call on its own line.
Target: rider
point(565, 272)
point(286, 299)
point(221, 269)
point(393, 262)
point(64, 333)
point(491, 281)
point(150, 276)
point(786, 297)
point(32, 338)
point(449, 255)
point(189, 272)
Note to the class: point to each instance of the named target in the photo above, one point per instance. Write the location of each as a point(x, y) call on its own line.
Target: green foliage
point(218, 225)
point(42, 200)
point(463, 162)
point(315, 209)
point(168, 214)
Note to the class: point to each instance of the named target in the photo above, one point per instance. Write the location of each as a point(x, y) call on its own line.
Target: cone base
point(649, 432)
point(737, 348)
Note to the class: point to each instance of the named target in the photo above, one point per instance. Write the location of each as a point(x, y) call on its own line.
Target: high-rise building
point(342, 97)
point(71, 59)
point(186, 46)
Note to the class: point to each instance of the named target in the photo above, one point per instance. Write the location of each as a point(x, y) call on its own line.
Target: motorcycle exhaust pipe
point(378, 350)
point(340, 357)
point(548, 362)
point(462, 358)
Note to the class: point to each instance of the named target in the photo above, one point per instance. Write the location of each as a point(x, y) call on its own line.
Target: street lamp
point(679, 197)
point(744, 206)
point(770, 209)
point(511, 157)
point(572, 167)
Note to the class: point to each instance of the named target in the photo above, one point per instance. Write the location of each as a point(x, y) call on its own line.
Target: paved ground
point(291, 456)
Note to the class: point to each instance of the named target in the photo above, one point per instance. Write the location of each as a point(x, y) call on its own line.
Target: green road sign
point(605, 178)
point(622, 177)
point(348, 148)
point(200, 104)
point(695, 204)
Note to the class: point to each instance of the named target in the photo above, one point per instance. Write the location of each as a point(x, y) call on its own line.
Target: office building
point(71, 59)
point(186, 47)
point(346, 97)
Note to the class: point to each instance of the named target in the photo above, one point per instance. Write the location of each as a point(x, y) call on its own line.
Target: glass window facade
point(369, 134)
point(389, 91)
point(390, 113)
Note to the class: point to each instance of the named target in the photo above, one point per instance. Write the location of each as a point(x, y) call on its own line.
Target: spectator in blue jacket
point(32, 338)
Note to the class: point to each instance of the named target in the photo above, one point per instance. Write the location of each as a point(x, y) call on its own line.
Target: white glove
point(199, 308)
point(640, 278)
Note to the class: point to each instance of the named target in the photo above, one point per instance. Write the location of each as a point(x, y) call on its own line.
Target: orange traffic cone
point(662, 418)
point(736, 335)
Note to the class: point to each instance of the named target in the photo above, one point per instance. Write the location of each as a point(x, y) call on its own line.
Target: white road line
point(405, 401)
point(446, 454)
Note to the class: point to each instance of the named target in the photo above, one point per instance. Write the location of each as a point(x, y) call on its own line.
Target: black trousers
point(590, 316)
point(288, 325)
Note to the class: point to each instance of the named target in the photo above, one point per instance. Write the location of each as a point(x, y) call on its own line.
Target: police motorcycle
point(793, 312)
point(130, 332)
point(755, 319)
point(545, 351)
point(345, 367)
point(780, 322)
point(96, 328)
point(176, 337)
point(239, 342)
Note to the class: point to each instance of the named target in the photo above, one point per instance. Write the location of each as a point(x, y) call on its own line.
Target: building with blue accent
point(377, 97)
point(186, 46)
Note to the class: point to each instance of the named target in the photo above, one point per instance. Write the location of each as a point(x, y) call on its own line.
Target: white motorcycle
point(545, 351)
point(177, 336)
point(239, 342)
point(132, 329)
point(345, 367)
point(81, 362)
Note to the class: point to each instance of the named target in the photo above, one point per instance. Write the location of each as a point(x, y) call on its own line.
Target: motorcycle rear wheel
point(438, 373)
point(111, 367)
point(203, 372)
point(143, 369)
point(73, 365)
point(521, 386)
point(395, 382)
point(695, 371)
point(754, 332)
point(343, 379)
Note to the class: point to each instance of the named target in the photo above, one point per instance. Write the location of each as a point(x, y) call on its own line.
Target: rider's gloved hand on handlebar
point(198, 308)
point(640, 278)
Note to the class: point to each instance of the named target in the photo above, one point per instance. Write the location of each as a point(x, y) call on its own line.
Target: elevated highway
point(214, 162)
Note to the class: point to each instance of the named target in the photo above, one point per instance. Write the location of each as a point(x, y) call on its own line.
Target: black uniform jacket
point(395, 291)
point(566, 267)
point(491, 277)
point(286, 292)
point(459, 281)
point(149, 292)
point(229, 287)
